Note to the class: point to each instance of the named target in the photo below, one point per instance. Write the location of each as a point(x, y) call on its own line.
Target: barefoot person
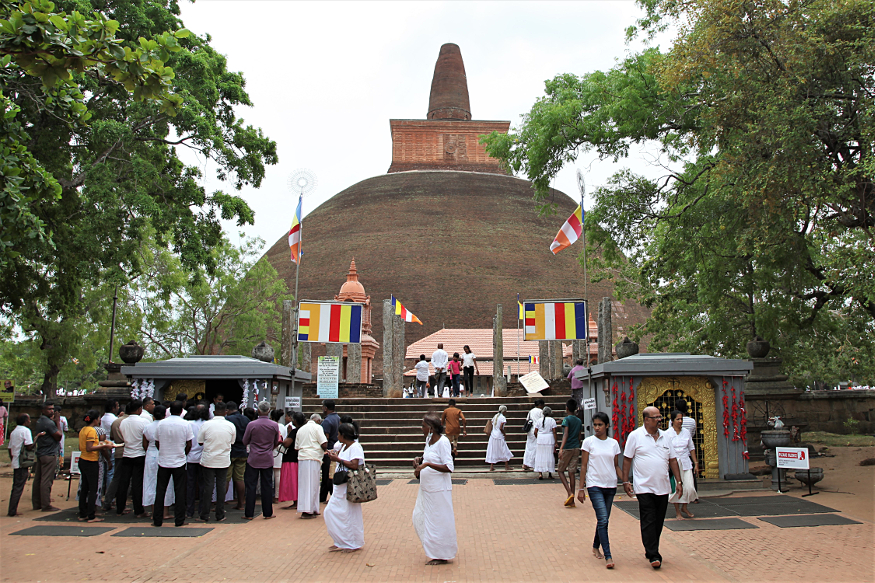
point(600, 470)
point(682, 442)
point(569, 450)
point(454, 421)
point(651, 449)
point(20, 438)
point(433, 517)
point(343, 518)
point(91, 448)
point(497, 450)
point(535, 415)
point(545, 433)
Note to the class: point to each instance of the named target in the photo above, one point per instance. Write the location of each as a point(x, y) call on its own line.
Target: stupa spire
point(449, 86)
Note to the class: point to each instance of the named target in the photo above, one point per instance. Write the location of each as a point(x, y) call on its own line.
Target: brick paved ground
point(505, 533)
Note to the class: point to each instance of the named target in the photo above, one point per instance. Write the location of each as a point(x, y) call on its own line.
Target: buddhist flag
point(402, 311)
point(330, 322)
point(295, 234)
point(555, 321)
point(534, 360)
point(522, 315)
point(570, 231)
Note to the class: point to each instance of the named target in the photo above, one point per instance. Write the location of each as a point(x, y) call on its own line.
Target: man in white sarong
point(311, 444)
point(535, 415)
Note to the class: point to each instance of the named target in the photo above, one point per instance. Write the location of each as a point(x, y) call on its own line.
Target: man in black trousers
point(651, 449)
point(173, 438)
point(330, 425)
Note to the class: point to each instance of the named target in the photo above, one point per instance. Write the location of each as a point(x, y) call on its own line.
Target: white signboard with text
point(533, 382)
point(293, 403)
point(74, 462)
point(589, 404)
point(329, 377)
point(792, 457)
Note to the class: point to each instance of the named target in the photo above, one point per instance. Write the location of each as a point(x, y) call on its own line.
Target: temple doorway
point(698, 392)
point(230, 390)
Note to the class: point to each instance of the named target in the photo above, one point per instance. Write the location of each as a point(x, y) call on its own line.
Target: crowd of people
point(197, 457)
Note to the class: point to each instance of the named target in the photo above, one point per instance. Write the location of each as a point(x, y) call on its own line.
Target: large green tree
point(121, 178)
point(759, 217)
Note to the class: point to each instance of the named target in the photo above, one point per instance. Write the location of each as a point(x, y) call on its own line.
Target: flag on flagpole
point(522, 311)
point(330, 322)
point(534, 360)
point(295, 234)
point(570, 231)
point(556, 321)
point(400, 310)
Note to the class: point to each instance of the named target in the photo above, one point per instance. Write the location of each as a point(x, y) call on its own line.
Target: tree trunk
point(49, 387)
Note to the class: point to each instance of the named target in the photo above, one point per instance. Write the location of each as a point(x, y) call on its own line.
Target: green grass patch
point(838, 440)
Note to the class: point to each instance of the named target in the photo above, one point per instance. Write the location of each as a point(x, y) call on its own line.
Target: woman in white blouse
point(545, 434)
point(497, 450)
point(683, 446)
point(343, 518)
point(433, 517)
point(599, 474)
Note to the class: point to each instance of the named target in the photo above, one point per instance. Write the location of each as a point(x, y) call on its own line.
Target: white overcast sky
point(325, 78)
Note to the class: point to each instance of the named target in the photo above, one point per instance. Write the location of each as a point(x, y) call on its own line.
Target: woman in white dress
point(433, 517)
point(497, 450)
point(682, 442)
point(545, 433)
point(343, 518)
point(535, 415)
point(150, 472)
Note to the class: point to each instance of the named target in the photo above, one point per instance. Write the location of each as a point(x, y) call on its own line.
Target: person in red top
point(454, 367)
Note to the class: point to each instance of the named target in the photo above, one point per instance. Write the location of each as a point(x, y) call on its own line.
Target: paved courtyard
point(505, 533)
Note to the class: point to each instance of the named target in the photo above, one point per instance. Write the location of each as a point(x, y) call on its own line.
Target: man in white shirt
point(421, 376)
point(173, 438)
point(311, 444)
point(18, 439)
point(65, 427)
point(193, 459)
point(216, 437)
point(111, 410)
point(148, 407)
point(651, 449)
point(439, 362)
point(133, 461)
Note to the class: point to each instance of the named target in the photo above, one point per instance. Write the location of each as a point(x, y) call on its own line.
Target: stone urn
point(626, 348)
point(773, 438)
point(131, 353)
point(810, 477)
point(758, 348)
point(263, 352)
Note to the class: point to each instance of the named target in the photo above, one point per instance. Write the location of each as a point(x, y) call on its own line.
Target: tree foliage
point(120, 176)
point(226, 311)
point(761, 220)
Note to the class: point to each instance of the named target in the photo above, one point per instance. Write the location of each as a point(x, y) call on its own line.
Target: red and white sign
point(74, 462)
point(792, 457)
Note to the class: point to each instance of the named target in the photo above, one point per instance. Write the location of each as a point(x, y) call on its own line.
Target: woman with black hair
point(89, 469)
point(289, 471)
point(599, 474)
point(343, 518)
point(433, 517)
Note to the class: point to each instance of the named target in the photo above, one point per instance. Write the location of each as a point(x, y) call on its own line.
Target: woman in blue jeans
point(600, 472)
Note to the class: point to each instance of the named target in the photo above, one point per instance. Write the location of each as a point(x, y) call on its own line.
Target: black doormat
point(232, 516)
point(163, 532)
point(456, 481)
point(744, 506)
point(384, 482)
point(63, 530)
point(712, 524)
point(523, 481)
point(808, 520)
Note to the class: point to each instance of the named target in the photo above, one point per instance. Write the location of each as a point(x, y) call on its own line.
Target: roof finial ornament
point(449, 86)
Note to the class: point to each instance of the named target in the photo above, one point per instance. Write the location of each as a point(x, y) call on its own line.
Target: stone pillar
point(398, 351)
point(498, 379)
point(388, 347)
point(577, 350)
point(354, 363)
point(544, 358)
point(306, 356)
point(556, 359)
point(286, 344)
point(605, 332)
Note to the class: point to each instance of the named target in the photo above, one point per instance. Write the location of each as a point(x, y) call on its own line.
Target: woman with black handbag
point(343, 518)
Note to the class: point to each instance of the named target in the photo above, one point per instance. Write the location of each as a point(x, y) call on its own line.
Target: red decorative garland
point(615, 417)
point(725, 409)
point(735, 420)
point(631, 421)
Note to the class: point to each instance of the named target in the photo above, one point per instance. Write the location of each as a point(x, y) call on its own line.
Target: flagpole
point(294, 362)
point(518, 336)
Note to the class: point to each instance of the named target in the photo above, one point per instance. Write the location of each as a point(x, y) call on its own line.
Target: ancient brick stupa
point(446, 230)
